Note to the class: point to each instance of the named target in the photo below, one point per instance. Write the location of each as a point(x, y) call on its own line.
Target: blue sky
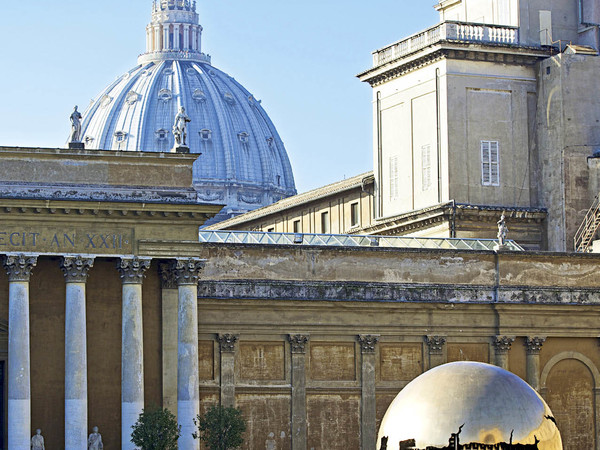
point(299, 58)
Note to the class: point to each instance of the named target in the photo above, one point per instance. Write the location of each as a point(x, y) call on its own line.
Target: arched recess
point(569, 383)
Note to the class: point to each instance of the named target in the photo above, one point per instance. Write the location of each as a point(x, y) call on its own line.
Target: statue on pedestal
point(95, 440)
point(502, 231)
point(76, 125)
point(37, 441)
point(180, 128)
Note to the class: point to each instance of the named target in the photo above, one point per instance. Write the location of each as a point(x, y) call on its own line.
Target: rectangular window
point(325, 222)
point(394, 180)
point(354, 220)
point(297, 226)
point(426, 167)
point(490, 163)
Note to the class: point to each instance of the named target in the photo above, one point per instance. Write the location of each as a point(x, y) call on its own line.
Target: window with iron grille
point(490, 163)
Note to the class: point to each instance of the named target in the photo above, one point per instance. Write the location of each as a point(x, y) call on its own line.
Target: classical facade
point(112, 303)
point(244, 164)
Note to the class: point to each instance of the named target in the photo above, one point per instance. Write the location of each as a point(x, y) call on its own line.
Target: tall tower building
point(244, 163)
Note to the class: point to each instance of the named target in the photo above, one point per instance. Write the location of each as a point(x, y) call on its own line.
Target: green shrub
point(221, 428)
point(156, 429)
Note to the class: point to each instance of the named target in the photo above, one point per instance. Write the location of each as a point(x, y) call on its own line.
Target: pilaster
point(436, 345)
point(368, 345)
point(227, 346)
point(298, 344)
point(534, 346)
point(502, 346)
point(170, 299)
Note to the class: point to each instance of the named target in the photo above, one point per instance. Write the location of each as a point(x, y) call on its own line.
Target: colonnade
point(173, 36)
point(76, 268)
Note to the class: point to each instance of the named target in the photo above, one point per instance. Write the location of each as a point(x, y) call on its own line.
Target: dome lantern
point(174, 33)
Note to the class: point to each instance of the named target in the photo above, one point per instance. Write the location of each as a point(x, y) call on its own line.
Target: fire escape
point(587, 231)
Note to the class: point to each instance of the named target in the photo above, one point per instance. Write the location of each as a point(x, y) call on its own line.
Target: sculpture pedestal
point(181, 149)
point(76, 145)
point(500, 248)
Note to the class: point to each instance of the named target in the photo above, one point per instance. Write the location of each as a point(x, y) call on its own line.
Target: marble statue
point(76, 125)
point(95, 440)
point(180, 127)
point(502, 231)
point(37, 441)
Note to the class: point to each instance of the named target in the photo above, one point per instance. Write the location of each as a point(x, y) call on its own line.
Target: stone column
point(502, 345)
point(299, 429)
point(436, 350)
point(534, 346)
point(186, 37)
point(194, 38)
point(75, 269)
point(368, 416)
point(157, 45)
point(165, 37)
point(132, 345)
point(227, 346)
point(170, 299)
point(176, 28)
point(18, 268)
point(188, 395)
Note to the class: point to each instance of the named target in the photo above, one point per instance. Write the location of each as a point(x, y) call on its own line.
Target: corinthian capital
point(502, 344)
point(188, 270)
point(19, 267)
point(132, 270)
point(76, 268)
point(436, 344)
point(298, 342)
point(368, 342)
point(534, 344)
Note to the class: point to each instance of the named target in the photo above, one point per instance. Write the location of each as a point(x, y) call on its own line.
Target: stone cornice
point(504, 54)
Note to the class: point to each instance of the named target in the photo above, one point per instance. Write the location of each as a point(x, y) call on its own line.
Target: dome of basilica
point(243, 165)
point(468, 405)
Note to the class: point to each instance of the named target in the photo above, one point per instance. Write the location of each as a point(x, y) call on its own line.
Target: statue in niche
point(37, 441)
point(76, 125)
point(502, 231)
point(95, 440)
point(180, 127)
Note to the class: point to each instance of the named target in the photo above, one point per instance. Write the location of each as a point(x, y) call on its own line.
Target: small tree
point(221, 428)
point(156, 429)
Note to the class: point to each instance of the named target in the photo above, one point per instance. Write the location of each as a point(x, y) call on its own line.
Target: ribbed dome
point(487, 404)
point(243, 164)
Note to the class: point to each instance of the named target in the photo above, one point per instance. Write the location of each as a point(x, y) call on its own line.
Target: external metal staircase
point(588, 228)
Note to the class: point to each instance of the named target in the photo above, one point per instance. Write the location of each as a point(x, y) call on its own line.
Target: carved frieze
point(368, 342)
point(132, 270)
point(502, 344)
point(227, 342)
point(76, 268)
point(436, 344)
point(19, 267)
point(534, 344)
point(298, 342)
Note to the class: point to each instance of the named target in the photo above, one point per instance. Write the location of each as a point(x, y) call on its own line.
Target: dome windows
point(161, 134)
point(243, 137)
point(165, 95)
point(199, 96)
point(132, 98)
point(228, 96)
point(205, 134)
point(168, 72)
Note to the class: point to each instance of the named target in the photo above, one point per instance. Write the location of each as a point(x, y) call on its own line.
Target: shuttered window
point(490, 163)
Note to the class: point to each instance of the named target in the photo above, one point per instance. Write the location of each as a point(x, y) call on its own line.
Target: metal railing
point(344, 240)
point(448, 31)
point(587, 230)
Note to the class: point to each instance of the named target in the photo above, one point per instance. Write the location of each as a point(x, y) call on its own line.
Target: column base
point(187, 410)
point(130, 413)
point(75, 424)
point(19, 424)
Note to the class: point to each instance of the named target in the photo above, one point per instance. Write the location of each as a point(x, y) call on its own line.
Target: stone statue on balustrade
point(95, 440)
point(180, 129)
point(76, 125)
point(37, 441)
point(502, 232)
